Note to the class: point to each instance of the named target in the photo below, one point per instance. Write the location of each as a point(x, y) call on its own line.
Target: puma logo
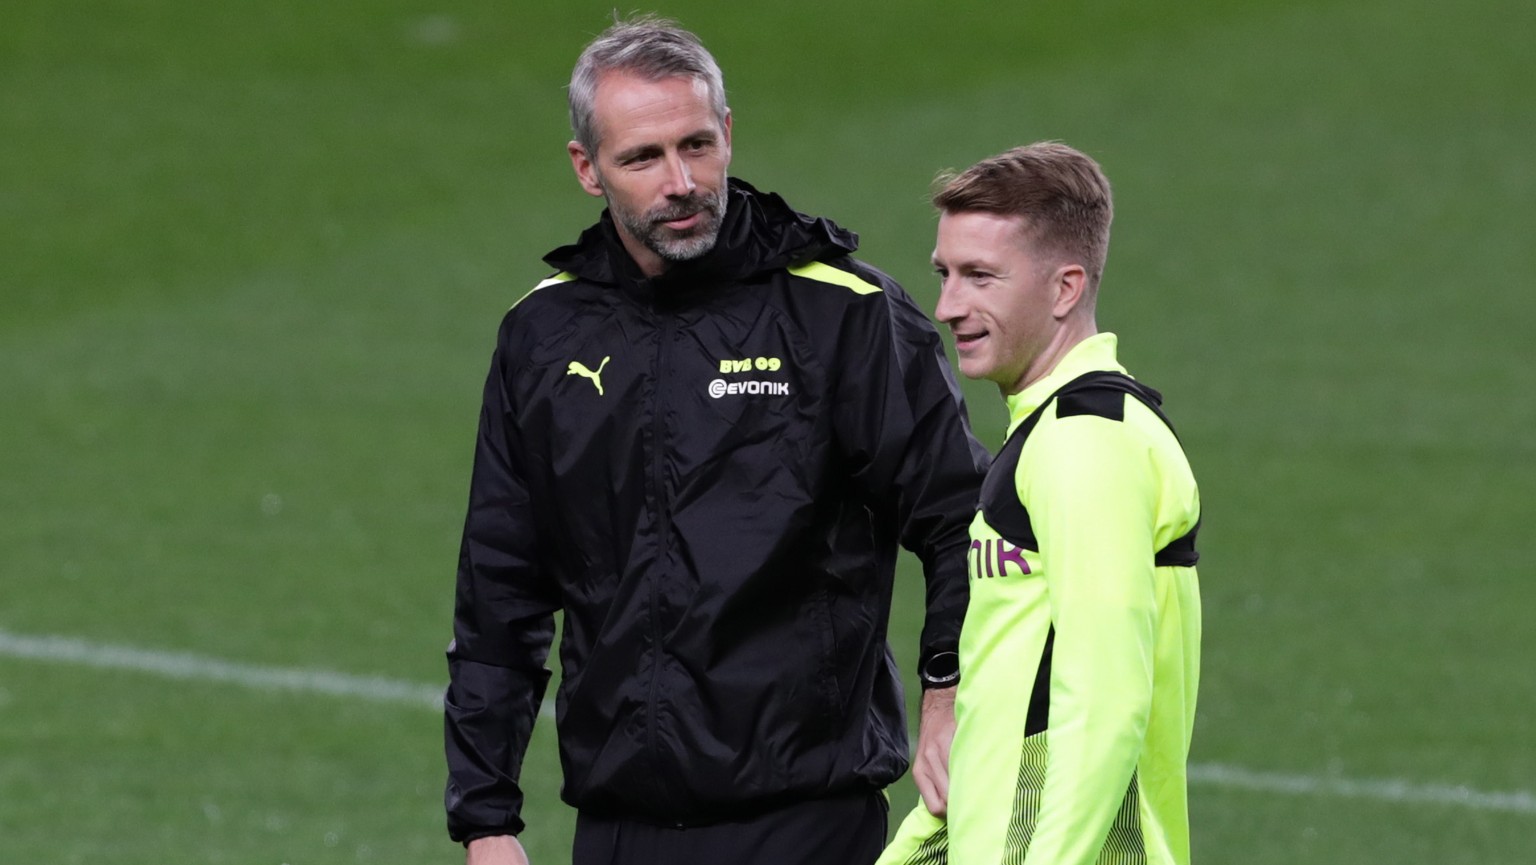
point(576, 367)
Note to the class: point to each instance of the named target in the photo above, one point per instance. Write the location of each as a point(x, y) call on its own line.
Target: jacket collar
point(760, 233)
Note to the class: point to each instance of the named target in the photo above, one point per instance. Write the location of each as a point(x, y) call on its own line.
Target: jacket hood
point(760, 232)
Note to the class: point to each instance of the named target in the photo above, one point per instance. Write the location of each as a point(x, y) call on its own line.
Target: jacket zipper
point(663, 538)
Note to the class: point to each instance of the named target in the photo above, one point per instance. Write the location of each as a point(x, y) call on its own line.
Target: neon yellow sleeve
point(1091, 489)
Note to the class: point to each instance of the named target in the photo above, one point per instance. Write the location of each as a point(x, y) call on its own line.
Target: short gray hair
point(649, 46)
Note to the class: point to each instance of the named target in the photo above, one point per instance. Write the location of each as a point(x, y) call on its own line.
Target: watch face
point(942, 668)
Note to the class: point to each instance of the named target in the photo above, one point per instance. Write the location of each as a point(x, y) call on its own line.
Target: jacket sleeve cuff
point(514, 828)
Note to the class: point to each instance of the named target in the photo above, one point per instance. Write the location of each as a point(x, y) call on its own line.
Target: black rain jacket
point(708, 472)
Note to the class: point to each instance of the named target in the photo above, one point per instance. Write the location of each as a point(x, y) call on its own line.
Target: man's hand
point(935, 732)
point(496, 850)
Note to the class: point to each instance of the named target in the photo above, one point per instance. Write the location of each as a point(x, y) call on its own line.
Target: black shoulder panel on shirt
point(1101, 402)
point(1100, 394)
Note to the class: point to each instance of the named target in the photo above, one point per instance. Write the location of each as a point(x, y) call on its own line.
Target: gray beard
point(670, 245)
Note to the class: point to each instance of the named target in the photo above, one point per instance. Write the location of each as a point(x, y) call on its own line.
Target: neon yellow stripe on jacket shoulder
point(553, 280)
point(827, 273)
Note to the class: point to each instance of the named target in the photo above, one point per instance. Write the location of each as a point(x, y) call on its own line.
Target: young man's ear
point(1071, 283)
point(586, 169)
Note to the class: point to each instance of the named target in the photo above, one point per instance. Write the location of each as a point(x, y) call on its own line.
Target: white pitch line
point(181, 665)
point(1384, 790)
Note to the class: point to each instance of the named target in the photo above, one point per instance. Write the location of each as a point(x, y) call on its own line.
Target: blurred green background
point(252, 258)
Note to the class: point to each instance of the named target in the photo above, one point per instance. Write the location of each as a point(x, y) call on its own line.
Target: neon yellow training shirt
point(1084, 641)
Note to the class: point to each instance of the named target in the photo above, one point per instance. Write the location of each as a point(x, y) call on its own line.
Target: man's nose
point(679, 177)
point(949, 307)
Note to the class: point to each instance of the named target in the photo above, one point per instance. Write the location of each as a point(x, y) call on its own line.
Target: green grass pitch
point(252, 257)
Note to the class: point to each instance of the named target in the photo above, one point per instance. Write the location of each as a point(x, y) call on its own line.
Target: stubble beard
point(669, 244)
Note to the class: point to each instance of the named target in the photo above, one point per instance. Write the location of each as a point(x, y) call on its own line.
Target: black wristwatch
point(941, 670)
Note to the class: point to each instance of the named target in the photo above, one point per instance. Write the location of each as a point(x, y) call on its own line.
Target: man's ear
point(586, 169)
point(727, 131)
point(1071, 283)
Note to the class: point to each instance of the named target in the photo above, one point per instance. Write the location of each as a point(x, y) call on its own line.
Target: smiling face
point(661, 162)
point(1004, 305)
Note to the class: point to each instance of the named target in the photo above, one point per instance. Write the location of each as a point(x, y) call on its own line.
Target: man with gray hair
point(702, 440)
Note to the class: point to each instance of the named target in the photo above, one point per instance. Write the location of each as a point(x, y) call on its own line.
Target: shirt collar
point(1097, 352)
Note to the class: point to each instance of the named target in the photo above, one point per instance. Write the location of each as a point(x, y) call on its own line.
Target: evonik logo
point(720, 387)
